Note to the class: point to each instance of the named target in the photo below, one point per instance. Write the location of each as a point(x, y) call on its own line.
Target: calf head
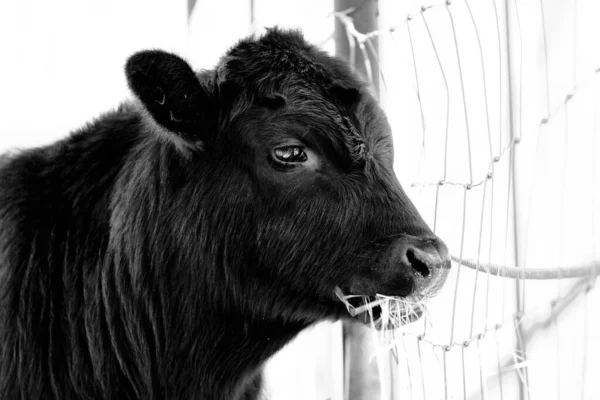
point(281, 183)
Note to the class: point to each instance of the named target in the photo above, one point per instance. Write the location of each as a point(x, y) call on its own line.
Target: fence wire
point(504, 96)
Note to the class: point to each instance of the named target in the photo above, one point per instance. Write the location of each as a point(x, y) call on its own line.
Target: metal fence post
point(361, 374)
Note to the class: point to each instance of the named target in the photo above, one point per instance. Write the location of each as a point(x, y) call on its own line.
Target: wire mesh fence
point(495, 105)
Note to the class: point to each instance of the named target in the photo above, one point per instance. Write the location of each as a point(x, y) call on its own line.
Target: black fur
point(159, 253)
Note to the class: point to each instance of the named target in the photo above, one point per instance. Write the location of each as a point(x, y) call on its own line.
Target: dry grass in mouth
point(384, 312)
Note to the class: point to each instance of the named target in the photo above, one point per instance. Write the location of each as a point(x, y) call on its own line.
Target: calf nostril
point(417, 264)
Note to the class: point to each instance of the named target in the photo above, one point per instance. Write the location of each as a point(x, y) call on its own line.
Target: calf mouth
point(384, 312)
point(413, 268)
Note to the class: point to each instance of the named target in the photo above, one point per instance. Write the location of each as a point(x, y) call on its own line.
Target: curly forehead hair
point(275, 53)
point(282, 61)
point(281, 54)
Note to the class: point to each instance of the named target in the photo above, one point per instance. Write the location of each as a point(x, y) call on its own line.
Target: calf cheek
point(305, 240)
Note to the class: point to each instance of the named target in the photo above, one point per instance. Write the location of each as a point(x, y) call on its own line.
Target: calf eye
point(289, 155)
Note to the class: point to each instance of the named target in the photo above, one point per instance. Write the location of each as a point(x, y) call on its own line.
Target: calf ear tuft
point(170, 91)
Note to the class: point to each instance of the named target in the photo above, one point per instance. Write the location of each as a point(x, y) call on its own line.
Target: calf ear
point(170, 91)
